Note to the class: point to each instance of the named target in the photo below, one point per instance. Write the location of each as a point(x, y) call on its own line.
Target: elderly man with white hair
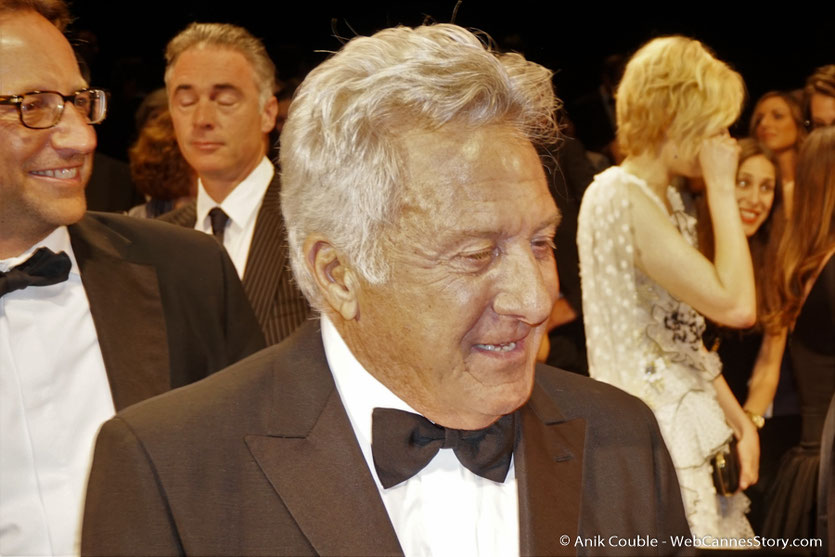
point(411, 418)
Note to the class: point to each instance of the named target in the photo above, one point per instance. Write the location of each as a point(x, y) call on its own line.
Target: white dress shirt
point(54, 395)
point(443, 510)
point(241, 206)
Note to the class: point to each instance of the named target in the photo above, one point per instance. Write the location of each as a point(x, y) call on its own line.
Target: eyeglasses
point(43, 109)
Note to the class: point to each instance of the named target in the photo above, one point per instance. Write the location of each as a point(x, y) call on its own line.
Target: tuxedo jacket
point(261, 459)
point(278, 304)
point(167, 304)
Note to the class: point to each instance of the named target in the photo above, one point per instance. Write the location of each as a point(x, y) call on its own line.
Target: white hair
point(341, 161)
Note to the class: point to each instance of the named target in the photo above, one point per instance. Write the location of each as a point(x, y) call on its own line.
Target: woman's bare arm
point(722, 290)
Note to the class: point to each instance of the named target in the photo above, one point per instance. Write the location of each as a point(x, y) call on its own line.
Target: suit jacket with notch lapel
point(261, 459)
point(278, 304)
point(167, 304)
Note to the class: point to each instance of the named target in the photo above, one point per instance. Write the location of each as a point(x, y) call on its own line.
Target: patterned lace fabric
point(646, 342)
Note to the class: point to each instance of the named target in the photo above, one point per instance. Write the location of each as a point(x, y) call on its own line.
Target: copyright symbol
point(564, 540)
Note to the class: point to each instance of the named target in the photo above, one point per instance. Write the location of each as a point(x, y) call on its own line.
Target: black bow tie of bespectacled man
point(43, 109)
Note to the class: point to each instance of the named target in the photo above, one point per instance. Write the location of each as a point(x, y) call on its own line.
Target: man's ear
point(337, 282)
point(269, 114)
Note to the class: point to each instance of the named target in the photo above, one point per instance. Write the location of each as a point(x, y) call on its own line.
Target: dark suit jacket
point(261, 459)
point(279, 305)
point(110, 187)
point(166, 303)
point(569, 176)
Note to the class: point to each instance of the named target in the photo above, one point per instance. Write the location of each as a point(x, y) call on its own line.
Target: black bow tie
point(403, 444)
point(42, 269)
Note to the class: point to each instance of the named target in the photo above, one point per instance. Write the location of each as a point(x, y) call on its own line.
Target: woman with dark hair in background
point(802, 299)
point(158, 168)
point(778, 123)
point(750, 359)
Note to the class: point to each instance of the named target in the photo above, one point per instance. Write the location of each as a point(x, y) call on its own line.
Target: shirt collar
point(243, 201)
point(58, 241)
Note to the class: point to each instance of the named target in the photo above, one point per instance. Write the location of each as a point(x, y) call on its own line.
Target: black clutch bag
point(726, 470)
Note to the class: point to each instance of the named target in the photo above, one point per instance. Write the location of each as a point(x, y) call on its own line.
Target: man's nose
point(527, 287)
point(204, 114)
point(72, 133)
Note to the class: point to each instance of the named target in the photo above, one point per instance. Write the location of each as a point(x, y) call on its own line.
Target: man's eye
point(742, 183)
point(543, 245)
point(479, 255)
point(81, 101)
point(186, 100)
point(33, 104)
point(227, 99)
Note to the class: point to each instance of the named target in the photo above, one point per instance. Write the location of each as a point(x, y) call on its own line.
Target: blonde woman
point(645, 285)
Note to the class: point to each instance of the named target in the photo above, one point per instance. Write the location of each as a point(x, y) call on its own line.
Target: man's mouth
point(61, 173)
point(206, 144)
point(497, 347)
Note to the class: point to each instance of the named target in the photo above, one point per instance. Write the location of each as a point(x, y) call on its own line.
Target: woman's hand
point(748, 446)
point(748, 449)
point(719, 157)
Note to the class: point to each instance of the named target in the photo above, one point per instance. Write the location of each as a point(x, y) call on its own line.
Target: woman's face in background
point(775, 126)
point(755, 183)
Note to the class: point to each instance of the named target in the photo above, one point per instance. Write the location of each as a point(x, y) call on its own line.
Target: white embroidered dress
point(646, 342)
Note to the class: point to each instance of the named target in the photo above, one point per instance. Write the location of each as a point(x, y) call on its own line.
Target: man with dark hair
point(97, 311)
point(819, 96)
point(409, 419)
point(221, 84)
point(55, 11)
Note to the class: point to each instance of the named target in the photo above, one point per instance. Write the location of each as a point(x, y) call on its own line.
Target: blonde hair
point(673, 88)
point(233, 37)
point(342, 166)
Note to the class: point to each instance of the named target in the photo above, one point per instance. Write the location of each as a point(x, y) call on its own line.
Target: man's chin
point(69, 211)
point(509, 401)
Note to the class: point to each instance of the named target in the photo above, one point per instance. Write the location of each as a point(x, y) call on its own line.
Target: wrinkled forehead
point(490, 178)
point(459, 165)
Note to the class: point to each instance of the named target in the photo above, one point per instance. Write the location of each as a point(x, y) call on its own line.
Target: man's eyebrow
point(551, 221)
point(217, 88)
point(554, 220)
point(221, 87)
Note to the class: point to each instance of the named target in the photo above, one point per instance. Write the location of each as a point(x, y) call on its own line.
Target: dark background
point(772, 47)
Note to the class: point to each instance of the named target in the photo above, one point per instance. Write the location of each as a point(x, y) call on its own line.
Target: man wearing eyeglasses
point(97, 311)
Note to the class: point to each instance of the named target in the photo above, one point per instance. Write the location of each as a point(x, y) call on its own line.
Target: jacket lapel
point(267, 254)
point(184, 216)
point(127, 312)
point(314, 463)
point(549, 468)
